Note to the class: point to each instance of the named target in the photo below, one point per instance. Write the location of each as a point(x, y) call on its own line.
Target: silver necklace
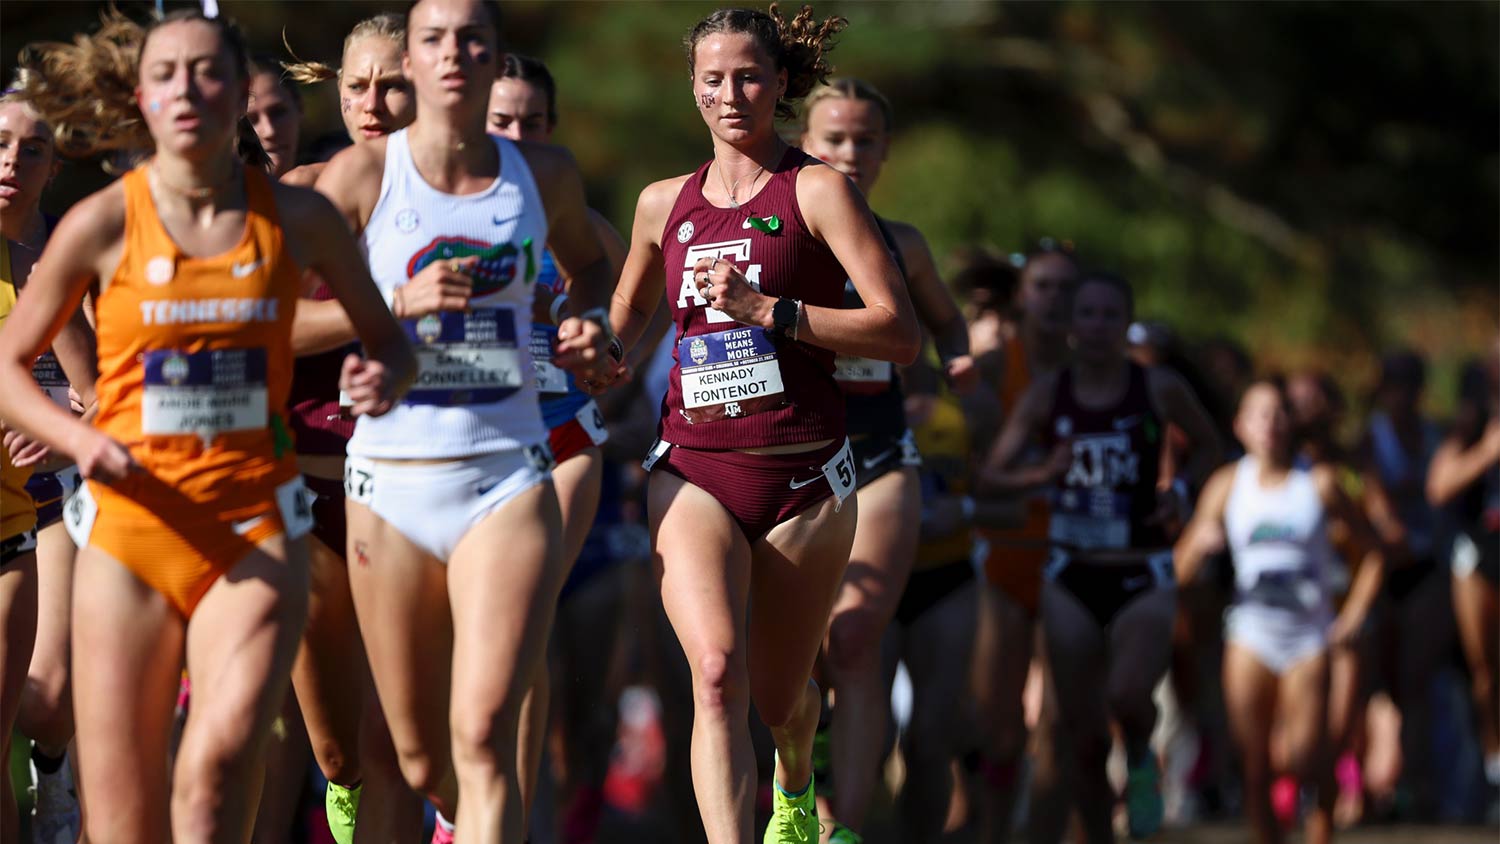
point(194, 193)
point(732, 188)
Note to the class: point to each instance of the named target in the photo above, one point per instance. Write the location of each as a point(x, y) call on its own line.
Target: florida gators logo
point(497, 262)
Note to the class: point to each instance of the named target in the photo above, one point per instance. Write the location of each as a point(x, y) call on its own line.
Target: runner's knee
point(854, 641)
point(719, 684)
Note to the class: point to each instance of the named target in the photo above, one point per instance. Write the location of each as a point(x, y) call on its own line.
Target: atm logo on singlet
point(192, 311)
point(737, 251)
point(497, 267)
point(1103, 460)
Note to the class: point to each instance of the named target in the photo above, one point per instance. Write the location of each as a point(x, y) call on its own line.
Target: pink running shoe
point(1286, 799)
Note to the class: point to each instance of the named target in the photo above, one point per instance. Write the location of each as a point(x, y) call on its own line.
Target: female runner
point(329, 675)
point(1466, 470)
point(1276, 518)
point(275, 112)
point(749, 518)
point(523, 107)
point(1108, 602)
point(1317, 407)
point(848, 125)
point(28, 160)
point(189, 521)
point(1004, 651)
point(461, 468)
point(1418, 629)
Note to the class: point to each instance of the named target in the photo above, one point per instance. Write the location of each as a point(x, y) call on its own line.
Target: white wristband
point(557, 305)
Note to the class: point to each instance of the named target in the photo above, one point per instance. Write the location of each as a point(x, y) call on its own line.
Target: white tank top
point(1279, 541)
point(474, 392)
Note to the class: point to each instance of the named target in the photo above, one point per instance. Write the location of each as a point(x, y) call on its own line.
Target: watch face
point(784, 316)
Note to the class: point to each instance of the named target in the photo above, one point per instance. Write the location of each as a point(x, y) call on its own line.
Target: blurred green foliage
point(1318, 180)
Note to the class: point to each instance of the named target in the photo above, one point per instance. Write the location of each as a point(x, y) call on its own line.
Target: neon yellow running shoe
point(844, 835)
point(341, 805)
point(794, 818)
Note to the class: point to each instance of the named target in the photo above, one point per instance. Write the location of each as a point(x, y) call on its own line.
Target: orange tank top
point(1017, 375)
point(1032, 534)
point(195, 356)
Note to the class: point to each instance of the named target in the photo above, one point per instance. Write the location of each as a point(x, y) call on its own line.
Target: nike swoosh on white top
point(239, 270)
point(796, 484)
point(500, 222)
point(872, 462)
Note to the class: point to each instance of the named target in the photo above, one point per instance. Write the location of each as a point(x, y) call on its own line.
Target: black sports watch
point(785, 315)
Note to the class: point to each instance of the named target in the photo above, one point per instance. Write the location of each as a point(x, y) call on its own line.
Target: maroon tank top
point(733, 385)
point(313, 406)
point(1108, 494)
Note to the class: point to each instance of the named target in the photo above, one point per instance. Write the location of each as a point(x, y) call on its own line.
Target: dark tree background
point(1319, 180)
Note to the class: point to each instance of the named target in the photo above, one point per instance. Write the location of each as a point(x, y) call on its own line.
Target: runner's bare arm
point(1454, 468)
point(641, 288)
point(70, 263)
point(1000, 475)
point(1177, 404)
point(935, 306)
point(1204, 535)
point(348, 181)
point(326, 246)
point(582, 342)
point(570, 231)
point(614, 249)
point(886, 327)
point(77, 352)
point(1370, 577)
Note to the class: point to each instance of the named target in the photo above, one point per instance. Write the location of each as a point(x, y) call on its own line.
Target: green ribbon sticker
point(281, 436)
point(769, 225)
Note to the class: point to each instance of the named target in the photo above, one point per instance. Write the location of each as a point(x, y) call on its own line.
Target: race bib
point(592, 420)
point(468, 357)
point(539, 455)
point(205, 393)
point(295, 501)
point(862, 376)
point(79, 514)
point(359, 481)
point(1293, 590)
point(840, 474)
point(49, 376)
point(1090, 519)
point(728, 374)
point(551, 379)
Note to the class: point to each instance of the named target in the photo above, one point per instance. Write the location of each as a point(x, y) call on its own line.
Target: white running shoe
point(54, 815)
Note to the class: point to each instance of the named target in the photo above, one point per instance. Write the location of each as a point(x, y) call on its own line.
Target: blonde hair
point(15, 94)
point(386, 25)
point(86, 90)
point(848, 88)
